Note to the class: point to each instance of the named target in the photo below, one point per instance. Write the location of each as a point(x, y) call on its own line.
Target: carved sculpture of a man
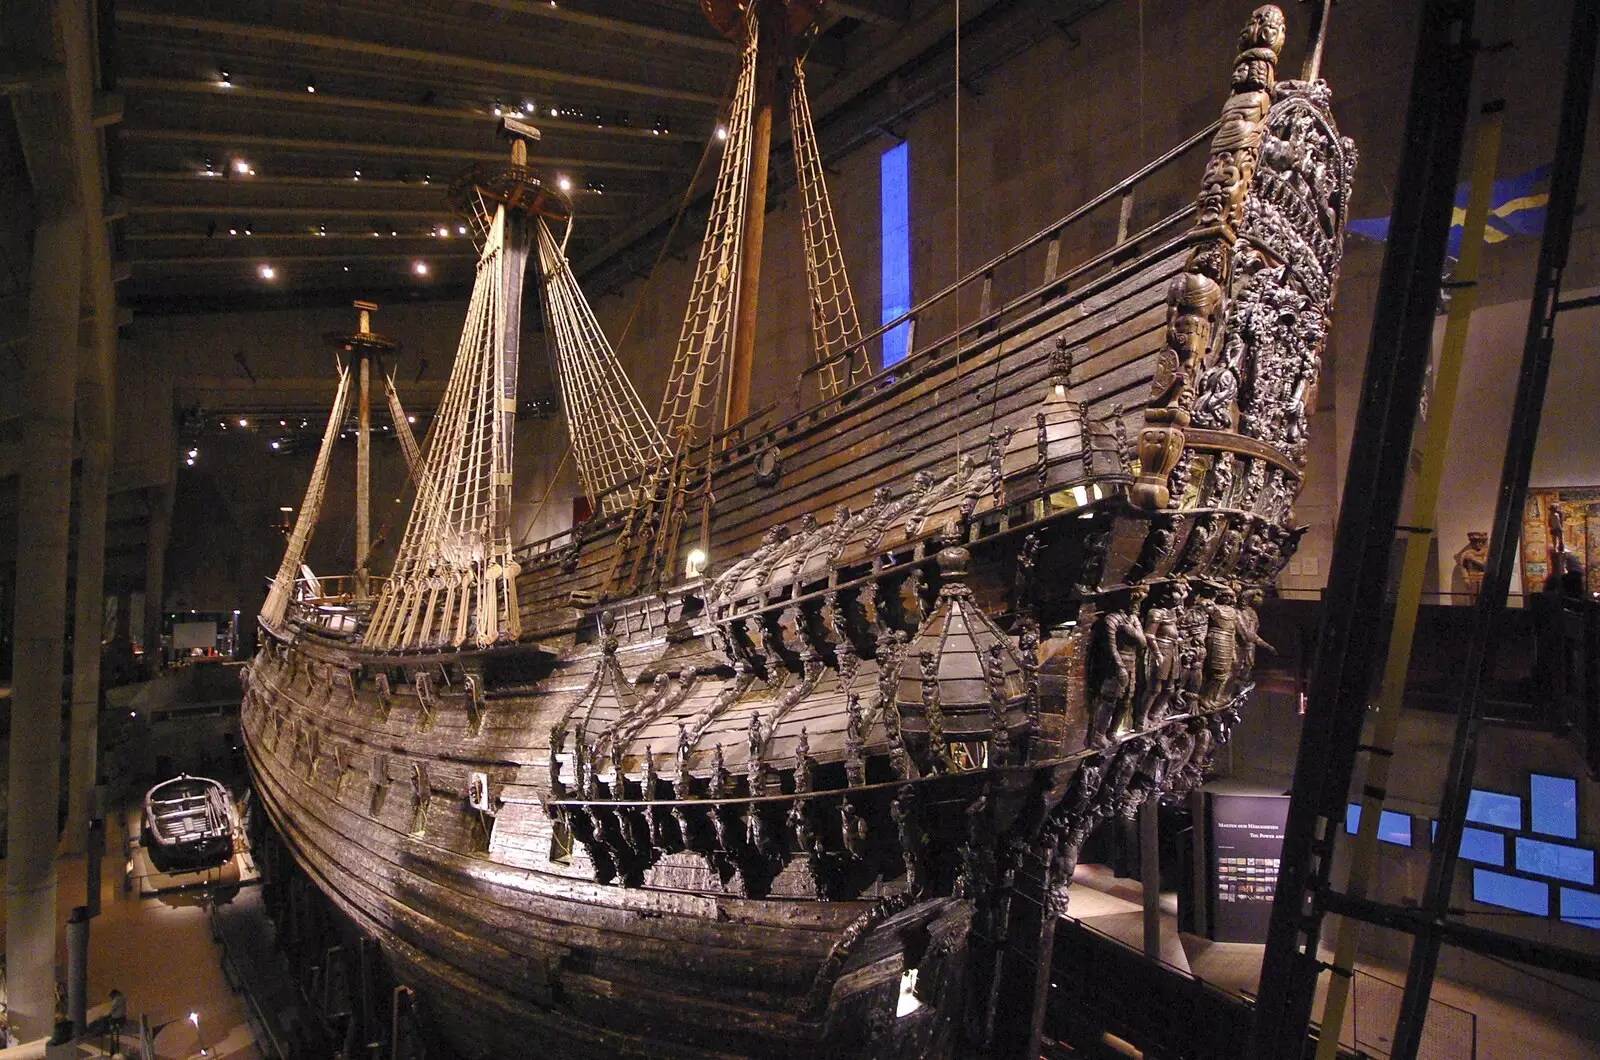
point(1250, 627)
point(1122, 646)
point(1164, 642)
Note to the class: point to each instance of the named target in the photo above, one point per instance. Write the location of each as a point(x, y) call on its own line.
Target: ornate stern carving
point(1196, 296)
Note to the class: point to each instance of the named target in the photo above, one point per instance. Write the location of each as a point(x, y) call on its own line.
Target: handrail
point(1048, 231)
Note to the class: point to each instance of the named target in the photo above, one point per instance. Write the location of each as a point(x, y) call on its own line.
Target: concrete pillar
point(42, 517)
point(157, 531)
point(78, 969)
point(88, 610)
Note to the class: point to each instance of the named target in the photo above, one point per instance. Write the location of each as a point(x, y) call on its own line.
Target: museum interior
point(864, 529)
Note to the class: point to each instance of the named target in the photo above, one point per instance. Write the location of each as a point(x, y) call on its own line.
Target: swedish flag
point(1517, 207)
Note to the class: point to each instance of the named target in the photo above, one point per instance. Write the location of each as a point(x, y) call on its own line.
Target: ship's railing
point(1144, 210)
point(1127, 219)
point(334, 603)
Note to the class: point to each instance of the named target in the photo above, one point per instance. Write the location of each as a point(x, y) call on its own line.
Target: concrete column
point(1199, 865)
point(89, 606)
point(157, 531)
point(44, 502)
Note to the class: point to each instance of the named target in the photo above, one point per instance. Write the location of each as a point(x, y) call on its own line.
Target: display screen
point(1491, 807)
point(1510, 892)
point(1393, 827)
point(1552, 859)
point(1581, 908)
point(1553, 805)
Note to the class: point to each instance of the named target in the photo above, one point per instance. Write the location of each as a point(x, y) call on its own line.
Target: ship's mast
point(363, 347)
point(737, 405)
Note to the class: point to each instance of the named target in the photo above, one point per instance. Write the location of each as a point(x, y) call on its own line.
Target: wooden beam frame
point(396, 53)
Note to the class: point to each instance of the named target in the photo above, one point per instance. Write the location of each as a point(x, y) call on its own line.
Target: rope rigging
point(454, 577)
point(614, 440)
point(294, 554)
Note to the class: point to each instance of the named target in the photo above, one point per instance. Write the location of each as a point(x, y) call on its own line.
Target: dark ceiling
point(316, 139)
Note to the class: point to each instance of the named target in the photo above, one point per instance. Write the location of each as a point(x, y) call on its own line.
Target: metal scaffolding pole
point(1505, 530)
point(1354, 630)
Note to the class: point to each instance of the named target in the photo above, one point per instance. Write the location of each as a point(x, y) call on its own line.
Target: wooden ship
point(814, 703)
point(187, 823)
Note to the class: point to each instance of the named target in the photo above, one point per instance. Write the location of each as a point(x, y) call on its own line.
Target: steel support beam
point(1354, 628)
point(1505, 530)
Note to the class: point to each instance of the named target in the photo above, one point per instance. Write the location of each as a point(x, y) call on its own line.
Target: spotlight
point(554, 113)
point(240, 166)
point(497, 108)
point(722, 132)
point(420, 268)
point(194, 453)
point(461, 230)
point(274, 445)
point(563, 183)
point(243, 422)
point(411, 419)
point(357, 176)
point(346, 269)
point(224, 80)
point(322, 230)
point(283, 423)
point(232, 231)
point(444, 232)
point(190, 461)
point(268, 272)
point(311, 85)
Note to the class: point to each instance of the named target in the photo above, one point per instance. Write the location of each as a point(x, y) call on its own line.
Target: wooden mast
point(362, 347)
point(737, 406)
point(364, 459)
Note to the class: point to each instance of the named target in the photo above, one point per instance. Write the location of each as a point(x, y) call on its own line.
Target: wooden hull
point(720, 819)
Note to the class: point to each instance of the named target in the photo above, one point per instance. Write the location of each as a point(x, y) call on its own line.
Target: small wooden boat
point(188, 823)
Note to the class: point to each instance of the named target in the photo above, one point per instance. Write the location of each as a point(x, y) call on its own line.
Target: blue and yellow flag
point(1517, 207)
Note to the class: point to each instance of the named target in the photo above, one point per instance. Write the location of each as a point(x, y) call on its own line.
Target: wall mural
point(1561, 529)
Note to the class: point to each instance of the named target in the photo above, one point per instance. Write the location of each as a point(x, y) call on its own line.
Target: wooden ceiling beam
point(560, 13)
point(163, 85)
point(358, 150)
point(293, 259)
point(396, 53)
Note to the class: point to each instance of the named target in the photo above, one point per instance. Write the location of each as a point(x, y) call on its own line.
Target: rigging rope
point(402, 429)
point(282, 590)
point(614, 440)
point(835, 326)
point(454, 576)
point(706, 338)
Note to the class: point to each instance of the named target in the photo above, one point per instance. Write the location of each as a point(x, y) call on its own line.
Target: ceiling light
point(461, 230)
point(190, 462)
point(224, 80)
point(311, 85)
point(249, 231)
point(267, 273)
point(563, 183)
point(240, 166)
point(554, 113)
point(274, 445)
point(497, 108)
point(346, 269)
point(322, 230)
point(392, 232)
point(411, 419)
point(194, 453)
point(244, 422)
point(427, 178)
point(233, 231)
point(444, 231)
point(357, 176)
point(420, 268)
point(722, 132)
point(283, 423)
point(529, 107)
